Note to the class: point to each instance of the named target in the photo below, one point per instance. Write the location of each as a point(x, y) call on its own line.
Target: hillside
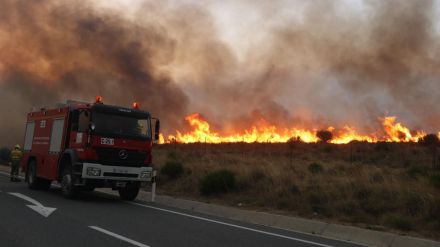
point(383, 186)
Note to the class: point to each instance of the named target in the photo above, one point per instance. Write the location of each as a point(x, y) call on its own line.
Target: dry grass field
point(383, 186)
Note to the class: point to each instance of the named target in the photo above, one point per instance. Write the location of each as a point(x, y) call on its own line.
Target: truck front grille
point(112, 157)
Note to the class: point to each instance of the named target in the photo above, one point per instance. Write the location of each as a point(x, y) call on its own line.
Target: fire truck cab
point(84, 146)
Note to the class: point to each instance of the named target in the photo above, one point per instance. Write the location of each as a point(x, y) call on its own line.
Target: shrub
point(283, 203)
point(324, 135)
point(416, 171)
point(319, 203)
point(173, 156)
point(317, 198)
point(243, 183)
point(293, 141)
point(377, 178)
point(217, 182)
point(435, 180)
point(430, 140)
point(257, 175)
point(414, 204)
point(4, 155)
point(434, 213)
point(172, 169)
point(362, 193)
point(347, 207)
point(315, 168)
point(294, 190)
point(434, 209)
point(377, 202)
point(400, 222)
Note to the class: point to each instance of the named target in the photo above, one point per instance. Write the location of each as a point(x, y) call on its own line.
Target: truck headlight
point(92, 171)
point(146, 174)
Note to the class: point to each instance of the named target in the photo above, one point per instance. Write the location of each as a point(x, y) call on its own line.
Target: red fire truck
point(84, 146)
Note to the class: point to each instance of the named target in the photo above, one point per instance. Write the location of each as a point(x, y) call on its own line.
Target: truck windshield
point(122, 125)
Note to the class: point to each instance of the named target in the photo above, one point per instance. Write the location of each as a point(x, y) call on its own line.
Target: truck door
point(79, 126)
point(55, 146)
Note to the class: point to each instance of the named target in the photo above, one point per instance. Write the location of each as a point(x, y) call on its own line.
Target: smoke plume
point(323, 63)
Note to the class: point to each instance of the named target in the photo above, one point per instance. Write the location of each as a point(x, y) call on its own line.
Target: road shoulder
point(295, 224)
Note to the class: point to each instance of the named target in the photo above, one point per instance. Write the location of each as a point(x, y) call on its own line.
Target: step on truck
point(85, 146)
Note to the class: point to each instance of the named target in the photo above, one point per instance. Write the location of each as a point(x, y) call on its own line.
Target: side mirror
point(157, 130)
point(92, 127)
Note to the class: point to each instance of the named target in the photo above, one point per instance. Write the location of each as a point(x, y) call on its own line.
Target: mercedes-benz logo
point(123, 154)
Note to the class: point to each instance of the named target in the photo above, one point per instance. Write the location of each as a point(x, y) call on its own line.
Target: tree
point(324, 136)
point(430, 140)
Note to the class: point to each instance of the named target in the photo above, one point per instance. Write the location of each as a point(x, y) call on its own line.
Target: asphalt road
point(97, 219)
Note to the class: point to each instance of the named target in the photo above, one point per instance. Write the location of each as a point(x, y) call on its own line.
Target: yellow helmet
point(17, 146)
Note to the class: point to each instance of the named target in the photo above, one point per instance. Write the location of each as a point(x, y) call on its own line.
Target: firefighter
point(16, 156)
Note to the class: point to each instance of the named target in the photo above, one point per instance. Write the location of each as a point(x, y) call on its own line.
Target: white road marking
point(232, 225)
point(37, 207)
point(99, 229)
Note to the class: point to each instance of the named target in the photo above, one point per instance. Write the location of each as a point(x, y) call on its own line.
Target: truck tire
point(33, 181)
point(130, 191)
point(67, 186)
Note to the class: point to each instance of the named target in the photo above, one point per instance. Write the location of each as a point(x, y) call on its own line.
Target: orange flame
point(202, 132)
point(397, 132)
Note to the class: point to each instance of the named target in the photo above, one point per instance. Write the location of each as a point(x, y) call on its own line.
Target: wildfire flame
point(201, 132)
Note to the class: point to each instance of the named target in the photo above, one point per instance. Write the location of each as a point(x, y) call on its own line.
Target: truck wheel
point(33, 181)
point(69, 190)
point(129, 192)
point(31, 175)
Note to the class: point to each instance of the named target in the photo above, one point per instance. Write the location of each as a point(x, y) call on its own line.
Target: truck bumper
point(120, 173)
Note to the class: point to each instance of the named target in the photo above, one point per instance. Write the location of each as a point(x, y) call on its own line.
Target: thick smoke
point(327, 63)
point(52, 51)
point(332, 65)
